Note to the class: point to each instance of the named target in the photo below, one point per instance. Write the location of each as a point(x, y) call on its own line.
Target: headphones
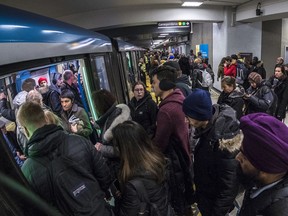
point(166, 85)
point(170, 75)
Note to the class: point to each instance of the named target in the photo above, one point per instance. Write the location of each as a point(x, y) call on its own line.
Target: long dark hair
point(137, 152)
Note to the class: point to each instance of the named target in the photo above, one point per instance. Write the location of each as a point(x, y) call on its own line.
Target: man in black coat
point(215, 167)
point(264, 165)
point(48, 142)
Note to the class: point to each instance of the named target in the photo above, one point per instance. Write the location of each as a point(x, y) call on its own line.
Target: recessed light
point(191, 4)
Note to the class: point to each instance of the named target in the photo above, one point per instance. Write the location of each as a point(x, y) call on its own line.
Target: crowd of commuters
point(158, 158)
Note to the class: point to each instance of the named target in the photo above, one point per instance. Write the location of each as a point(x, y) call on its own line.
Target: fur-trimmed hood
point(123, 116)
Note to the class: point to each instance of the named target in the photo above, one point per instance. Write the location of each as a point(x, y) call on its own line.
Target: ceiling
point(140, 36)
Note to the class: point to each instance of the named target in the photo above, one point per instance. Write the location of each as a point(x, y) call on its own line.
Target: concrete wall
point(231, 37)
point(284, 40)
point(271, 44)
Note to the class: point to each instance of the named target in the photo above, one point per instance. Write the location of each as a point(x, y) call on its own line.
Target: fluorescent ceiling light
point(191, 4)
point(161, 36)
point(164, 34)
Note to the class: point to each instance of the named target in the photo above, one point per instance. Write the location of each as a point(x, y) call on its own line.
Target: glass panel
point(102, 73)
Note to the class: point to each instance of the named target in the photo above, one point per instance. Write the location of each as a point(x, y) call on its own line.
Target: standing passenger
point(214, 160)
point(280, 85)
point(75, 118)
point(109, 116)
point(232, 95)
point(259, 97)
point(264, 163)
point(48, 142)
point(141, 164)
point(172, 134)
point(143, 108)
point(68, 83)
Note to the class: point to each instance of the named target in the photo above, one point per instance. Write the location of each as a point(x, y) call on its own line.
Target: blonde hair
point(51, 118)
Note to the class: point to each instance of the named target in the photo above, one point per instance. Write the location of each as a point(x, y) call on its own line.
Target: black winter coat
point(233, 99)
point(45, 142)
point(144, 112)
point(271, 202)
point(281, 90)
point(52, 99)
point(6, 112)
point(157, 193)
point(215, 174)
point(261, 99)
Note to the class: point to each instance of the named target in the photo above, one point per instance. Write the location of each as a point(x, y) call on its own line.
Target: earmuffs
point(166, 85)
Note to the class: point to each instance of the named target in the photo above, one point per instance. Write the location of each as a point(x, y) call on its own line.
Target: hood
point(20, 98)
point(124, 116)
point(44, 140)
point(176, 96)
point(183, 79)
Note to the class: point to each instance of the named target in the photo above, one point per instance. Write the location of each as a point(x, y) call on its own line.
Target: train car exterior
point(35, 46)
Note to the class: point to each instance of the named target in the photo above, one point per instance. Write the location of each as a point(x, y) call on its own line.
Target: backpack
point(226, 124)
point(146, 207)
point(241, 73)
point(207, 80)
point(74, 191)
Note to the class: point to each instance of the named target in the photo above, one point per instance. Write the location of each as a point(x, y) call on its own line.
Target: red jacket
point(230, 70)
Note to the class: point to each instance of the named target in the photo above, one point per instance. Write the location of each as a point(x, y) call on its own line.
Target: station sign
point(174, 24)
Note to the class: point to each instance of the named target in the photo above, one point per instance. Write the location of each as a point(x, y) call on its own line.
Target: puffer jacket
point(271, 202)
point(144, 112)
point(157, 193)
point(215, 171)
point(233, 99)
point(261, 99)
point(45, 142)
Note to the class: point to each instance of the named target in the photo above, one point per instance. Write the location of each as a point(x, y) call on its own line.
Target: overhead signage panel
point(174, 24)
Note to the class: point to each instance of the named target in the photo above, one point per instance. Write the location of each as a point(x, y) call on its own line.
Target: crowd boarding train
point(33, 46)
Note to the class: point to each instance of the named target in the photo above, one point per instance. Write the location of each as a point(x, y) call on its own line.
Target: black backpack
point(146, 207)
point(74, 191)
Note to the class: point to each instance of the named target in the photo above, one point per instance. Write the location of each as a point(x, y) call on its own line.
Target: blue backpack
point(242, 73)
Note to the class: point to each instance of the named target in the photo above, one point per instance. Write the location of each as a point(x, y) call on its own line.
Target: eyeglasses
point(138, 90)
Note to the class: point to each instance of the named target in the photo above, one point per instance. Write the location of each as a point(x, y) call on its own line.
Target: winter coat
point(83, 124)
point(215, 172)
point(261, 99)
point(183, 83)
point(51, 98)
point(6, 112)
point(260, 69)
point(196, 76)
point(270, 202)
point(171, 122)
point(157, 193)
point(114, 116)
point(172, 130)
point(220, 73)
point(144, 112)
point(281, 90)
point(233, 99)
point(230, 70)
point(46, 142)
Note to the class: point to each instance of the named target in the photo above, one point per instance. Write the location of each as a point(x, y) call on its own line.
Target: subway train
point(33, 46)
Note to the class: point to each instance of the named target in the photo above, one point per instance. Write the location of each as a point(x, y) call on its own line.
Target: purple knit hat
point(265, 142)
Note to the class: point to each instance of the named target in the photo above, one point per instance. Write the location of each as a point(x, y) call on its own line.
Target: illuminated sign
point(174, 24)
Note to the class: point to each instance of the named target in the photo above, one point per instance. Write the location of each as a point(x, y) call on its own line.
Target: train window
point(102, 73)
